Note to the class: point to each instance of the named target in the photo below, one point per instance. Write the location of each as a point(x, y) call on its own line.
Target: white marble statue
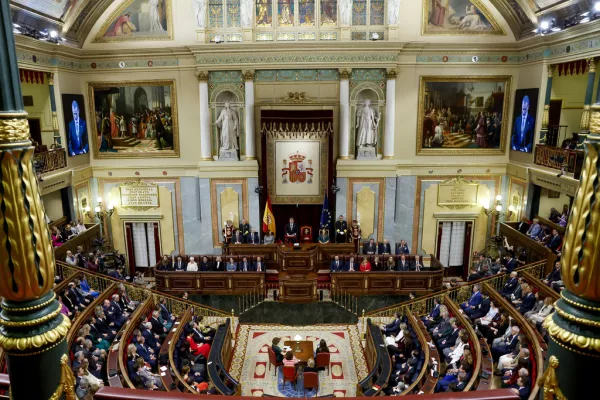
point(246, 13)
point(200, 12)
point(155, 24)
point(367, 123)
point(228, 123)
point(345, 8)
point(393, 11)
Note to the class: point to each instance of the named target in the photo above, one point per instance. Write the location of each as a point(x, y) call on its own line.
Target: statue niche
point(227, 110)
point(366, 125)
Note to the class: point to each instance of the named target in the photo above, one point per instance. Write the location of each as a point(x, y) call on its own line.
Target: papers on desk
point(163, 374)
point(163, 368)
point(208, 363)
point(177, 323)
point(382, 345)
point(286, 349)
point(174, 329)
point(115, 347)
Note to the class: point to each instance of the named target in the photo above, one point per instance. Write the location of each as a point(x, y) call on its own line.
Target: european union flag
point(325, 214)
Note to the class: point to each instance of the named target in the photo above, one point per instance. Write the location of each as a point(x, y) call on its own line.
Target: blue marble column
point(341, 200)
point(406, 187)
point(197, 221)
point(254, 217)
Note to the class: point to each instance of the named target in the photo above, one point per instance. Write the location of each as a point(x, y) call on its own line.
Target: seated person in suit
point(527, 301)
point(403, 248)
point(146, 352)
point(351, 265)
point(522, 389)
point(523, 226)
point(192, 266)
point(306, 236)
point(245, 265)
point(554, 275)
point(323, 236)
point(475, 299)
point(205, 265)
point(310, 366)
point(164, 265)
point(449, 341)
point(245, 228)
point(393, 328)
point(376, 265)
point(165, 315)
point(291, 231)
point(219, 265)
point(365, 265)
point(534, 230)
point(269, 238)
point(238, 238)
point(434, 315)
point(259, 266)
point(180, 265)
point(417, 265)
point(231, 265)
point(507, 344)
point(252, 237)
point(555, 241)
point(370, 247)
point(510, 285)
point(384, 248)
point(336, 264)
point(276, 349)
point(460, 384)
point(390, 264)
point(403, 264)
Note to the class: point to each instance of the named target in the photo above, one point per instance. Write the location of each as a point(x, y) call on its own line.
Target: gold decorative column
point(32, 329)
point(575, 326)
point(589, 90)
point(546, 116)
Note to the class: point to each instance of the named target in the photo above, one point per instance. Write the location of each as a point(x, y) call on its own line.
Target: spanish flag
point(268, 218)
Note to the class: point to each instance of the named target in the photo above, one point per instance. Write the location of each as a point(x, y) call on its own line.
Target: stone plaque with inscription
point(139, 195)
point(457, 194)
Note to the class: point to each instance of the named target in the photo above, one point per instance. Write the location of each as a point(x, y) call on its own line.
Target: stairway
point(126, 142)
point(269, 312)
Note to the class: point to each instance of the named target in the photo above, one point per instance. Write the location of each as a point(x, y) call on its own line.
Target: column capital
point(591, 65)
point(50, 77)
point(391, 74)
point(248, 75)
point(202, 76)
point(550, 69)
point(345, 74)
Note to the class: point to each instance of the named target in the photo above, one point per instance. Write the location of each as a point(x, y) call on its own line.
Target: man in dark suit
point(522, 137)
point(219, 265)
point(103, 327)
point(393, 328)
point(475, 299)
point(448, 339)
point(508, 344)
point(245, 228)
point(180, 265)
point(510, 265)
point(205, 265)
point(113, 320)
point(523, 226)
point(341, 230)
point(258, 266)
point(351, 265)
point(482, 309)
point(252, 237)
point(402, 248)
point(527, 301)
point(336, 265)
point(417, 265)
point(291, 231)
point(554, 275)
point(145, 352)
point(165, 315)
point(510, 285)
point(78, 138)
point(157, 326)
point(384, 248)
point(370, 247)
point(238, 237)
point(434, 315)
point(403, 264)
point(245, 265)
point(555, 242)
point(443, 328)
point(151, 337)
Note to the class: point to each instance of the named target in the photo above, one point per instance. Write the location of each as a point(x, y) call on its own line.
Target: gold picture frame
point(101, 36)
point(426, 29)
point(480, 104)
point(132, 152)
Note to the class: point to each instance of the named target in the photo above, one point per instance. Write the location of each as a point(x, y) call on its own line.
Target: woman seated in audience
point(455, 355)
point(323, 236)
point(132, 357)
point(546, 309)
point(269, 238)
point(376, 264)
point(489, 317)
point(390, 265)
point(399, 338)
point(91, 378)
point(165, 264)
point(57, 239)
point(494, 329)
point(322, 347)
point(365, 265)
point(152, 381)
point(457, 344)
point(64, 309)
point(290, 360)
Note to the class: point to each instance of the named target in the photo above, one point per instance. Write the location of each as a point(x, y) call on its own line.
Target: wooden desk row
point(230, 283)
point(384, 282)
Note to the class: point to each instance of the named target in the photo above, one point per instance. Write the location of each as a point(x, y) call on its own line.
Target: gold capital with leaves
point(344, 74)
point(202, 76)
point(249, 75)
point(391, 74)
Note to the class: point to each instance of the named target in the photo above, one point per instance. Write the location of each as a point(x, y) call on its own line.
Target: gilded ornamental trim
point(48, 338)
point(13, 129)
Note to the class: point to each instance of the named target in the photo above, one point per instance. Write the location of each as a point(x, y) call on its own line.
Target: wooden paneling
point(207, 282)
point(382, 282)
point(535, 250)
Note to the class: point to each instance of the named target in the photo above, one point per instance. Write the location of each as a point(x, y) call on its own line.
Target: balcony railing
point(558, 158)
point(52, 160)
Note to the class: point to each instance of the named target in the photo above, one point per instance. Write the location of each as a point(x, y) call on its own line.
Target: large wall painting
point(463, 115)
point(134, 119)
point(458, 17)
point(138, 20)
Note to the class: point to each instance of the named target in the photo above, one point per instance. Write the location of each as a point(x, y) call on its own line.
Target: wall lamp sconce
point(101, 211)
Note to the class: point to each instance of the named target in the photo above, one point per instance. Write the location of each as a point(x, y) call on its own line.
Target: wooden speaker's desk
point(298, 287)
point(303, 349)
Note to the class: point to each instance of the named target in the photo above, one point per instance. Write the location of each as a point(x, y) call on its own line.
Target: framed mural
point(458, 17)
point(462, 115)
point(138, 20)
point(75, 124)
point(134, 119)
point(297, 165)
point(523, 124)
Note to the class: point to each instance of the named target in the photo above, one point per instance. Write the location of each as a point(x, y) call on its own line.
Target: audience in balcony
point(57, 238)
point(150, 380)
point(507, 343)
point(390, 265)
point(180, 265)
point(554, 243)
point(535, 229)
point(451, 338)
point(165, 264)
point(403, 248)
point(192, 266)
point(434, 315)
point(554, 215)
point(80, 226)
point(83, 288)
point(231, 265)
point(538, 317)
point(70, 259)
point(365, 265)
point(166, 318)
point(92, 263)
point(523, 225)
point(470, 305)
